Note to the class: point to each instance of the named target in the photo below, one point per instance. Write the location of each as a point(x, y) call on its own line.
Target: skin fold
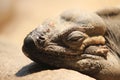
point(82, 41)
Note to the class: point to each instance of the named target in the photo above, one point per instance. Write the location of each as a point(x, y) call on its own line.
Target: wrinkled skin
point(57, 42)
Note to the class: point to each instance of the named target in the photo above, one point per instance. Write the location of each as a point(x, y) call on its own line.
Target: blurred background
point(19, 17)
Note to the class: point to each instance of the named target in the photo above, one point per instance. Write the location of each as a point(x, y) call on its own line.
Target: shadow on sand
point(32, 68)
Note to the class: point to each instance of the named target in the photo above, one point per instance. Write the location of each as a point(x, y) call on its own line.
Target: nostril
point(41, 40)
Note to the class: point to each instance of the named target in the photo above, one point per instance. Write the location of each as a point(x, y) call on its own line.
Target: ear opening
point(109, 12)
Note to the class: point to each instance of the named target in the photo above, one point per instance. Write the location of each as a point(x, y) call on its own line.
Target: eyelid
point(75, 38)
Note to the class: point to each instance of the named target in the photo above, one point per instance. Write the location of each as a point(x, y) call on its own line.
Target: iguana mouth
point(67, 52)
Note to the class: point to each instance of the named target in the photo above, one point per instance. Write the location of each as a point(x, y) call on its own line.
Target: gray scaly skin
point(57, 42)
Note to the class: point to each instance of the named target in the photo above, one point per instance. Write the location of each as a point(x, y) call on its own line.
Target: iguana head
point(57, 41)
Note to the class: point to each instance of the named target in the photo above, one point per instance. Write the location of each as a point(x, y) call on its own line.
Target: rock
point(15, 66)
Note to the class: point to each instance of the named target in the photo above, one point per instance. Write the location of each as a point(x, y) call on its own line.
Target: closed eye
point(75, 36)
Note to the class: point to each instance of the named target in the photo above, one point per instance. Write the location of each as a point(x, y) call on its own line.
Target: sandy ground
point(19, 17)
